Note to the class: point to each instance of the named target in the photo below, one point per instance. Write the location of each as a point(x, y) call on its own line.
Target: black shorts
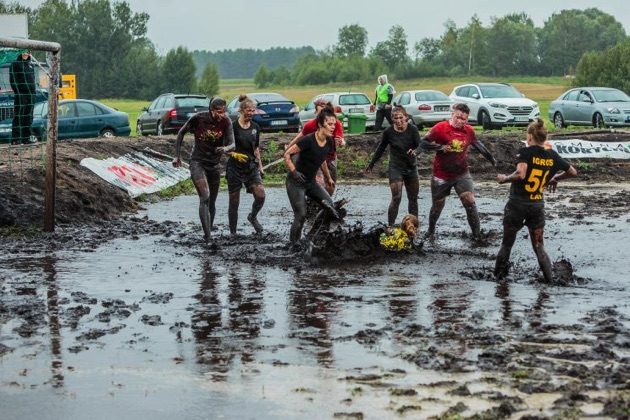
point(441, 188)
point(239, 175)
point(199, 170)
point(517, 214)
point(396, 173)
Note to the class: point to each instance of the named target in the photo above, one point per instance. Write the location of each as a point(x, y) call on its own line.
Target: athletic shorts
point(441, 188)
point(212, 173)
point(517, 214)
point(238, 175)
point(397, 173)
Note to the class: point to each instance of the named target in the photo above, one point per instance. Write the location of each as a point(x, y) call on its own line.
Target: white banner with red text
point(137, 173)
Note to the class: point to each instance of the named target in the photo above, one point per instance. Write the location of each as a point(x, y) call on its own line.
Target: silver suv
point(343, 102)
point(494, 105)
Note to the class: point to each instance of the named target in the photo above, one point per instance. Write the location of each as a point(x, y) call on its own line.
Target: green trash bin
point(356, 123)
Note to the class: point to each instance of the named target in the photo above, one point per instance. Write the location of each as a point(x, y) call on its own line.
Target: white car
point(494, 105)
point(343, 102)
point(425, 107)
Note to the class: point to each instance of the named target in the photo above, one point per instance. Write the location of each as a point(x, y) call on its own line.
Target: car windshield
point(355, 99)
point(268, 97)
point(431, 96)
point(192, 102)
point(499, 91)
point(610, 95)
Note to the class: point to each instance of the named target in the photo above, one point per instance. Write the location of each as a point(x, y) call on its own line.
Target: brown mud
point(123, 315)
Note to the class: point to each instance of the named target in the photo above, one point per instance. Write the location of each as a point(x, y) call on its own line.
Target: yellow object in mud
point(239, 157)
point(456, 146)
point(395, 239)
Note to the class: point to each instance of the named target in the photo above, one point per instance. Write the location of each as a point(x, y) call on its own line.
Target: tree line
point(510, 45)
point(106, 45)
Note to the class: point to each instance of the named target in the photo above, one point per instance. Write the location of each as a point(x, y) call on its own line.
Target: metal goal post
point(52, 50)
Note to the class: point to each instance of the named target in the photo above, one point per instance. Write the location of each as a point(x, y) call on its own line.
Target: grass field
point(541, 89)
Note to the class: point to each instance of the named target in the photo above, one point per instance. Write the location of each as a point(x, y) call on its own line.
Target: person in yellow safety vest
point(383, 102)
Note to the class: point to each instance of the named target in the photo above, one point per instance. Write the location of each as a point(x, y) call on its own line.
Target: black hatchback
point(169, 112)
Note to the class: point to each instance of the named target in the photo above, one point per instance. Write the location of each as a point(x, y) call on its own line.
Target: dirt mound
point(83, 197)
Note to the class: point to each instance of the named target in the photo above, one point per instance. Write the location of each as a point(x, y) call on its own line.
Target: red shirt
point(451, 165)
point(311, 127)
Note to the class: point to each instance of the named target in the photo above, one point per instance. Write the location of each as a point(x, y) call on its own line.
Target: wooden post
point(51, 143)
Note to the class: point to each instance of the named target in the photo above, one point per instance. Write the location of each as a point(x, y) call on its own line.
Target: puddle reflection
point(220, 341)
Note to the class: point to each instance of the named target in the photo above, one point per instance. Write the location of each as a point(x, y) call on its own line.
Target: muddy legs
point(436, 209)
point(207, 198)
point(502, 264)
point(392, 211)
point(536, 236)
point(235, 197)
point(259, 200)
point(468, 201)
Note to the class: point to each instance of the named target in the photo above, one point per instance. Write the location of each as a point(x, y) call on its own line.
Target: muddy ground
point(83, 197)
point(129, 316)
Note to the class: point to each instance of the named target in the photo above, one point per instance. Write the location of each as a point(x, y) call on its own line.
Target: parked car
point(596, 106)
point(169, 112)
point(343, 102)
point(496, 104)
point(425, 107)
point(274, 112)
point(77, 118)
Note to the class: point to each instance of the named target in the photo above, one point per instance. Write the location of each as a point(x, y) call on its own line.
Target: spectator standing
point(383, 102)
point(22, 80)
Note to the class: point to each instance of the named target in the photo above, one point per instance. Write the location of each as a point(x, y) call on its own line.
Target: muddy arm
point(428, 145)
point(481, 148)
point(180, 138)
point(228, 140)
point(517, 175)
point(287, 157)
point(553, 182)
point(379, 152)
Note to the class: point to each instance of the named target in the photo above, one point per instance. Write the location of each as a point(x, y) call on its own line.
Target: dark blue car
point(274, 112)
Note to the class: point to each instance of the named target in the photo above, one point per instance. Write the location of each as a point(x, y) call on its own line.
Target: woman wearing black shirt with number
point(245, 166)
point(536, 168)
point(301, 182)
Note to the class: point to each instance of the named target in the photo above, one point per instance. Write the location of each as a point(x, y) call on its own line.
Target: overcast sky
point(228, 24)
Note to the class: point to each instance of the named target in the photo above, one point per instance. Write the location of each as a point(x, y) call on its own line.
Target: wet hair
point(245, 101)
point(461, 107)
point(538, 131)
point(323, 114)
point(397, 109)
point(217, 102)
point(410, 224)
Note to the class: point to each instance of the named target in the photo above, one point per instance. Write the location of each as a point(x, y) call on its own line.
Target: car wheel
point(108, 132)
point(486, 122)
point(558, 120)
point(598, 121)
point(160, 128)
point(139, 129)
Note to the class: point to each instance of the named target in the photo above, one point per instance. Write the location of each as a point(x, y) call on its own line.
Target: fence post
point(51, 143)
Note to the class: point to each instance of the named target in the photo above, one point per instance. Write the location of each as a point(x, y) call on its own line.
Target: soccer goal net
point(29, 85)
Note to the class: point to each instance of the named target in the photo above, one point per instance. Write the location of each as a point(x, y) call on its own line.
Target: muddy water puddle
point(157, 325)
